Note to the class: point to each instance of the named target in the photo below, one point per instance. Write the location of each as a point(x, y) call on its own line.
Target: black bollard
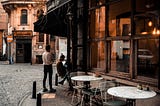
point(56, 79)
point(39, 99)
point(34, 90)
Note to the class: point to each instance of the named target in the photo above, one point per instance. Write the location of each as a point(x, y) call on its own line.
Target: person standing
point(47, 58)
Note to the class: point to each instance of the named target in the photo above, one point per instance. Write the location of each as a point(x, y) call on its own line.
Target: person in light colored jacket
point(47, 58)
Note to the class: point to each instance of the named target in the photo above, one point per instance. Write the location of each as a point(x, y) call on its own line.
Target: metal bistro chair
point(93, 93)
point(99, 95)
point(77, 88)
point(108, 100)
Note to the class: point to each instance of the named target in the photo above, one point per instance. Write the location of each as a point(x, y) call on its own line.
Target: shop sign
point(22, 33)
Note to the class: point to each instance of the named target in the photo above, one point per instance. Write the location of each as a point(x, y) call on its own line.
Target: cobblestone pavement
point(16, 80)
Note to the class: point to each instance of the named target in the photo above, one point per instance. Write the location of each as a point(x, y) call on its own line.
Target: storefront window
point(97, 34)
point(97, 24)
point(120, 27)
point(147, 58)
point(120, 53)
point(100, 20)
point(97, 55)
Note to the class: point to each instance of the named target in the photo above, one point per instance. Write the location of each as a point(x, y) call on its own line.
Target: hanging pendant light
point(150, 23)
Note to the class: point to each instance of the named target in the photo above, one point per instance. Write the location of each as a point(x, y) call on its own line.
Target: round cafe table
point(130, 93)
point(86, 79)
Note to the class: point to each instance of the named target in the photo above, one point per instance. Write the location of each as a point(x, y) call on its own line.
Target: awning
point(51, 24)
point(54, 22)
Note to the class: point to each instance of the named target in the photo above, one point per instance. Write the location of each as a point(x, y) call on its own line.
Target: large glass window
point(97, 35)
point(120, 53)
point(98, 23)
point(97, 55)
point(119, 18)
point(23, 17)
point(147, 57)
point(120, 27)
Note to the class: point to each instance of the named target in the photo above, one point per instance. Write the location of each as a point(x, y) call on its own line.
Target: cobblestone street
point(16, 81)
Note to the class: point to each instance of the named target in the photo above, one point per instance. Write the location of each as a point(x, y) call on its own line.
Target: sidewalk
point(62, 97)
point(4, 62)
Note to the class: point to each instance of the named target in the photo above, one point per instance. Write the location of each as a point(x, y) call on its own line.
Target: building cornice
point(18, 2)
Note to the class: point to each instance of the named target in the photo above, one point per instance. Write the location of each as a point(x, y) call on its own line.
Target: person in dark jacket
point(63, 73)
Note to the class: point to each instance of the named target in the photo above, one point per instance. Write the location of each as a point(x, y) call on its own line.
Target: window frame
point(24, 17)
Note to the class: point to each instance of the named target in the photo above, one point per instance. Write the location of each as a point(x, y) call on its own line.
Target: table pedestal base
point(131, 102)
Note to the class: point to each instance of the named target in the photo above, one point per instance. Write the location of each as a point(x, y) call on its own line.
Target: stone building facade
point(27, 46)
point(3, 28)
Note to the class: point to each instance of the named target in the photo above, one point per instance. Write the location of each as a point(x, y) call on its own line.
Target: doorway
point(23, 51)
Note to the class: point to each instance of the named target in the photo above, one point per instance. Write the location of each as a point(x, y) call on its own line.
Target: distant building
point(27, 46)
point(3, 30)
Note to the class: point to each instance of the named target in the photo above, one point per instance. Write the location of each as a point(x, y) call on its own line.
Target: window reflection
point(147, 58)
point(119, 27)
point(97, 55)
point(97, 35)
point(120, 53)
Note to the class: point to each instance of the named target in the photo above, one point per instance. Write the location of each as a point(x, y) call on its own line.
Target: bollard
point(39, 99)
point(56, 80)
point(34, 90)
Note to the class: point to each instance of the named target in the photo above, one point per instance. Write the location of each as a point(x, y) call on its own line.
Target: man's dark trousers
point(47, 70)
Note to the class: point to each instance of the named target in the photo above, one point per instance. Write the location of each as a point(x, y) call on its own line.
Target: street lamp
point(70, 17)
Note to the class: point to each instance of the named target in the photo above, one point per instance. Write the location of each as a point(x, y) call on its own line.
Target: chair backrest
point(104, 86)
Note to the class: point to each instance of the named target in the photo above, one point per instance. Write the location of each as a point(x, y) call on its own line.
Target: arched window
point(24, 16)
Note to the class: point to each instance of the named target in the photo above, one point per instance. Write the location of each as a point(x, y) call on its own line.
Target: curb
point(20, 103)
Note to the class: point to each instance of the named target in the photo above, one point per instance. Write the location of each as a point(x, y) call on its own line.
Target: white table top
point(130, 92)
point(86, 78)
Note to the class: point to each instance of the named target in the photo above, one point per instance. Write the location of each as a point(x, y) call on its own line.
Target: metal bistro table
point(86, 79)
point(130, 93)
